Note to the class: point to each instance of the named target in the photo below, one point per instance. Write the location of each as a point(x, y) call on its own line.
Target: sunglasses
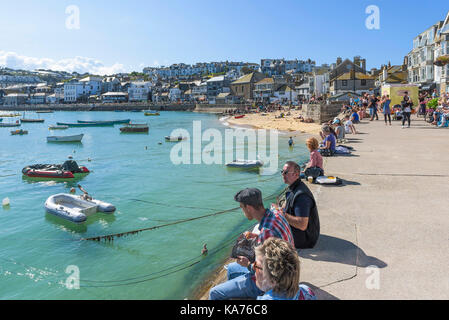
point(284, 172)
point(255, 266)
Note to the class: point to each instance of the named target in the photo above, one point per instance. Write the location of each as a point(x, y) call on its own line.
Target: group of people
point(282, 230)
point(438, 116)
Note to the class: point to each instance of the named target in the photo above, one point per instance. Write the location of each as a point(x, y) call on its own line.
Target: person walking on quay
point(373, 107)
point(241, 280)
point(406, 109)
point(300, 208)
point(278, 272)
point(422, 105)
point(386, 108)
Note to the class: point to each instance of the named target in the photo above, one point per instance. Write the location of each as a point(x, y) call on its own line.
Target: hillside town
point(280, 81)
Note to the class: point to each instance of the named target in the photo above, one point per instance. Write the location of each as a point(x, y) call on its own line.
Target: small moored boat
point(239, 117)
point(152, 114)
point(19, 132)
point(107, 122)
point(32, 120)
point(135, 127)
point(56, 127)
point(75, 208)
point(245, 164)
point(68, 170)
point(92, 124)
point(44, 111)
point(10, 124)
point(75, 138)
point(175, 139)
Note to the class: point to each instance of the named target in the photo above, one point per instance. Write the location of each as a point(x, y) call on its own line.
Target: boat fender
point(85, 170)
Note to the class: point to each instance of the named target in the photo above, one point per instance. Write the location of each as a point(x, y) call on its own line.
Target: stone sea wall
point(321, 112)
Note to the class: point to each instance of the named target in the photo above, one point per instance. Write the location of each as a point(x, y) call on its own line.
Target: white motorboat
point(75, 208)
point(175, 139)
point(245, 164)
point(76, 138)
point(10, 124)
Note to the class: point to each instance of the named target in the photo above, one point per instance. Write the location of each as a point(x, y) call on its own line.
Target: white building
point(38, 98)
point(92, 85)
point(285, 94)
point(174, 94)
point(139, 91)
point(74, 90)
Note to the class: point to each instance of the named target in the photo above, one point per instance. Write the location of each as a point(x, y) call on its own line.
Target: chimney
point(339, 60)
point(384, 73)
point(357, 61)
point(364, 65)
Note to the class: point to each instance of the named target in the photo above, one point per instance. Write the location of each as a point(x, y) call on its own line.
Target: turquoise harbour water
point(133, 172)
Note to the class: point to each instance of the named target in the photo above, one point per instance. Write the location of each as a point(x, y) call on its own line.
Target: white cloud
point(78, 64)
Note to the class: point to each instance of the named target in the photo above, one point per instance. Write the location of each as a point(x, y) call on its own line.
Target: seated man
point(241, 281)
point(349, 126)
point(300, 208)
point(355, 117)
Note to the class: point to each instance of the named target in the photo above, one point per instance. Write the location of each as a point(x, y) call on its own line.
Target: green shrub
point(433, 104)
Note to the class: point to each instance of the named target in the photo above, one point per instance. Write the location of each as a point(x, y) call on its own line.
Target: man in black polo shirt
point(300, 208)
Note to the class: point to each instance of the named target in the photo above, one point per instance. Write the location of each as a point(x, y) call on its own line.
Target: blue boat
point(93, 124)
point(126, 121)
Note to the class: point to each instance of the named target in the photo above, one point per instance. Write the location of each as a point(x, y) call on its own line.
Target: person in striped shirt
point(241, 275)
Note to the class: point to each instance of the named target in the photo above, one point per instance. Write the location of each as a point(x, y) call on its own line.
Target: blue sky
point(127, 35)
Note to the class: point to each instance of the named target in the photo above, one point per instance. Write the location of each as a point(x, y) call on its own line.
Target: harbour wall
point(321, 112)
point(101, 107)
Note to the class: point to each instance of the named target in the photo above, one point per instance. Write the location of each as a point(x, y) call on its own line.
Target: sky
point(106, 37)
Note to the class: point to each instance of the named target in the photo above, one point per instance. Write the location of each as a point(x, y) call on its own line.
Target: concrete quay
point(385, 230)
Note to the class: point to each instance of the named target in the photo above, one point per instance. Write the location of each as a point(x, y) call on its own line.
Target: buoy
point(5, 202)
point(74, 151)
point(89, 159)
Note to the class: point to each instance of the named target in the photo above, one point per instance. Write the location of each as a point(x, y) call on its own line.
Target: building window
point(363, 82)
point(344, 83)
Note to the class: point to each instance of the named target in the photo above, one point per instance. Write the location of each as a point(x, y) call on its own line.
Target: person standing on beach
point(300, 208)
point(241, 280)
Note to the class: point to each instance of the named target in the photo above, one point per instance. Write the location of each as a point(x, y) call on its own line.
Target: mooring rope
point(111, 237)
point(192, 262)
point(125, 282)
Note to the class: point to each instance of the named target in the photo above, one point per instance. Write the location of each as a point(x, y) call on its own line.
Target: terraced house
point(426, 61)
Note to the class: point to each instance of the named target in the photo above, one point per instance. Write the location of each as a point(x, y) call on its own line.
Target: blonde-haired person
point(277, 272)
point(314, 167)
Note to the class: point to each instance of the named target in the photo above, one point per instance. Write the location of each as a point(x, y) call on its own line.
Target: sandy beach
point(289, 123)
point(384, 230)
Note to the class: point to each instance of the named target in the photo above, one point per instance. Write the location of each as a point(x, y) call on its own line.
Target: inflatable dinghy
point(74, 208)
point(245, 164)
